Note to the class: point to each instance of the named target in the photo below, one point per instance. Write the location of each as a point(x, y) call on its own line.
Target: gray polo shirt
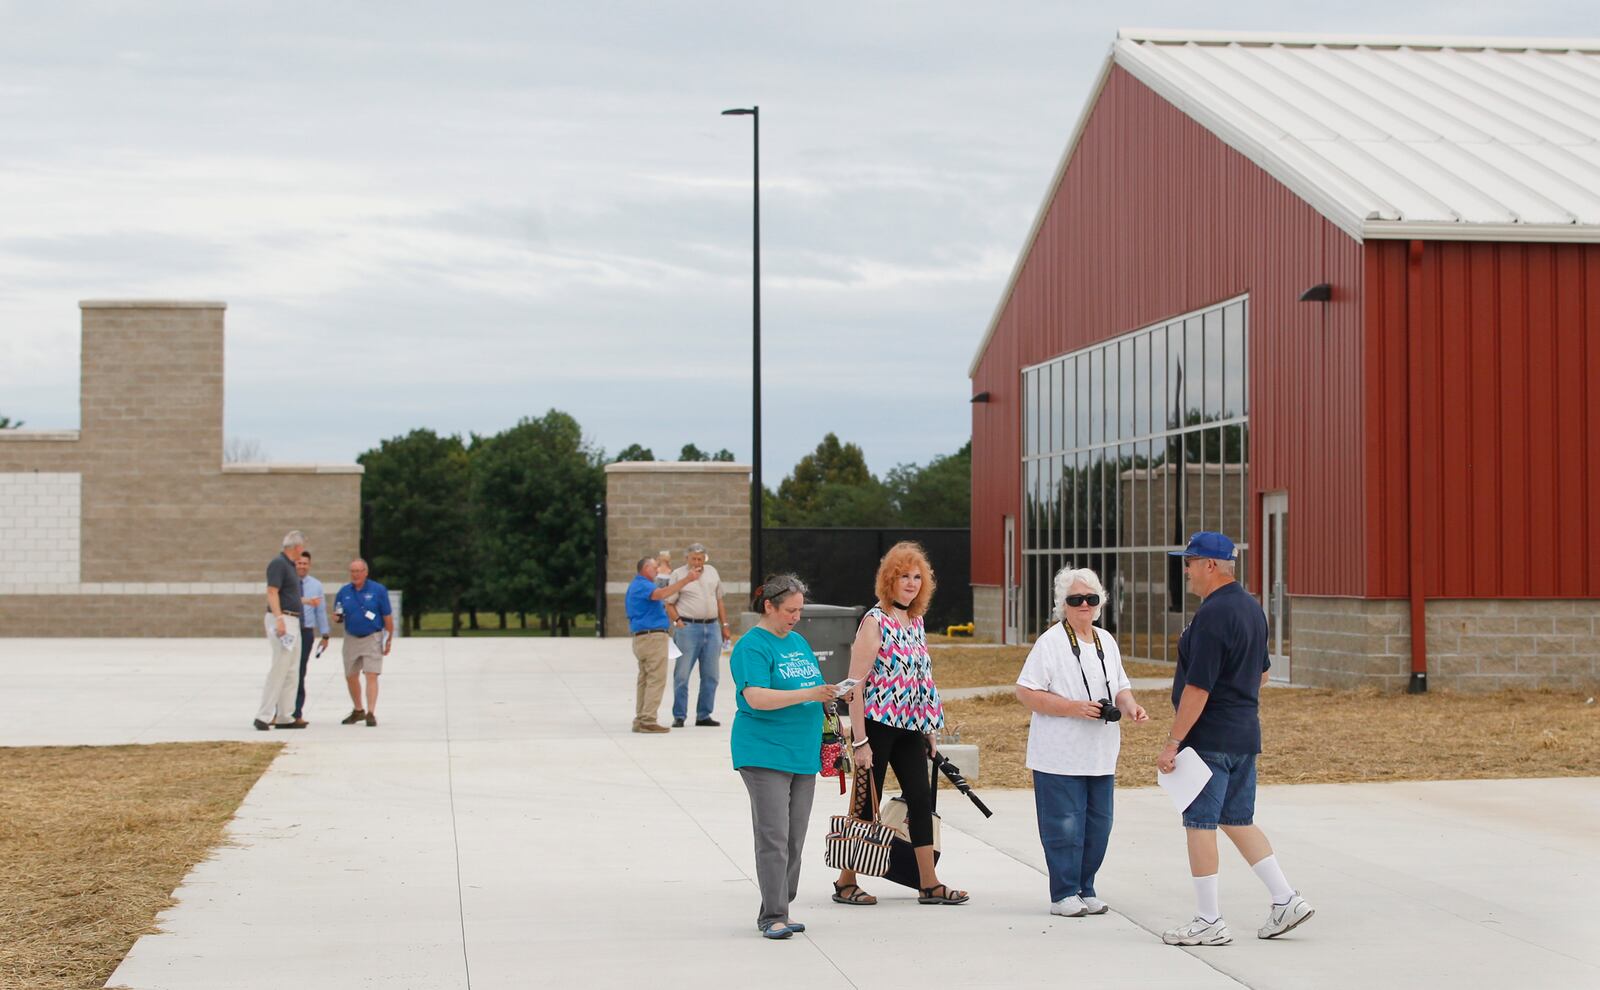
point(282, 575)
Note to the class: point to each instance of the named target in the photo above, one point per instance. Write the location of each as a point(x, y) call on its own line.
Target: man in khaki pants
point(647, 618)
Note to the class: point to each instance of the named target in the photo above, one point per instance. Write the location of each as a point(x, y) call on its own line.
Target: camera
point(1109, 712)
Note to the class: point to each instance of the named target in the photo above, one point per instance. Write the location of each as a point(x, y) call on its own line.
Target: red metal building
point(1372, 268)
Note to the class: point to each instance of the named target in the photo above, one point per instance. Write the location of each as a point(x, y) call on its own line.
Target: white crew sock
point(1271, 874)
point(1205, 898)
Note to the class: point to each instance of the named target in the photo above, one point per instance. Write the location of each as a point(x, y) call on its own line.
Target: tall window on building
point(1128, 447)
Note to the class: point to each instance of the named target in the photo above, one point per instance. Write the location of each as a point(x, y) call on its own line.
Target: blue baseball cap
point(1206, 544)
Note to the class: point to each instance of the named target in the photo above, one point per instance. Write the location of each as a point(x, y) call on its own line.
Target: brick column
point(666, 505)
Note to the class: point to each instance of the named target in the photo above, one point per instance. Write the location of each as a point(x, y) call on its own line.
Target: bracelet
point(1175, 742)
point(858, 743)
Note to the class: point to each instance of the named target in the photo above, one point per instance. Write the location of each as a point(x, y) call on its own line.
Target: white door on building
point(1012, 601)
point(1274, 589)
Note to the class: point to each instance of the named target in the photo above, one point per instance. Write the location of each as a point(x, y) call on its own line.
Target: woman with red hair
point(898, 712)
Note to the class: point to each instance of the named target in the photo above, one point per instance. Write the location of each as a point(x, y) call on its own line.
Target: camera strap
point(1077, 653)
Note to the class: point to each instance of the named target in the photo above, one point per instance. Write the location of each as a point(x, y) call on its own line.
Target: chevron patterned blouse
point(900, 690)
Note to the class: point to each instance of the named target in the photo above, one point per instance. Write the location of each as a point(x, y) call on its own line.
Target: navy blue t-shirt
point(1224, 651)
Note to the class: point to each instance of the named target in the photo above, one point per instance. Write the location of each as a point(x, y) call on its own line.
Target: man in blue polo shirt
point(363, 607)
point(647, 619)
point(1222, 665)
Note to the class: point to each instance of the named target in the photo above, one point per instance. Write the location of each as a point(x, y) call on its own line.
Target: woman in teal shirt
point(777, 737)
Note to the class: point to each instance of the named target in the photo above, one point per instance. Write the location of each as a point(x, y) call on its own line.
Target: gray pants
point(780, 809)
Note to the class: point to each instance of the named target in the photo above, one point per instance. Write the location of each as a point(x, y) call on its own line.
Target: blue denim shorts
point(1229, 797)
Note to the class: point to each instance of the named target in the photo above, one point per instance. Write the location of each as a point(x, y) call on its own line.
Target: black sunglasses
point(1076, 600)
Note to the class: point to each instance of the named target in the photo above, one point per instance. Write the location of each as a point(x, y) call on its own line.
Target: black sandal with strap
point(927, 896)
point(859, 897)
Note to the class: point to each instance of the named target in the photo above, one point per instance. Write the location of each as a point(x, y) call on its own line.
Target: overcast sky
point(454, 215)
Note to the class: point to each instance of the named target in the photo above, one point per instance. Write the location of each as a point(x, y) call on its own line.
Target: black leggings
point(907, 751)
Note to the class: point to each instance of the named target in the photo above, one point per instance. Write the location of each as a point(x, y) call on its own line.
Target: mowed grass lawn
point(93, 840)
point(1319, 736)
point(438, 624)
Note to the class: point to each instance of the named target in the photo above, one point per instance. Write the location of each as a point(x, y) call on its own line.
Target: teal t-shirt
point(787, 739)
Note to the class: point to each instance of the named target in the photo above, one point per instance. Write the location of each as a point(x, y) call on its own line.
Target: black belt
point(701, 621)
point(646, 632)
point(295, 614)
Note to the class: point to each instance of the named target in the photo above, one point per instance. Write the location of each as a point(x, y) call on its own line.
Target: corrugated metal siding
point(1155, 217)
point(1508, 414)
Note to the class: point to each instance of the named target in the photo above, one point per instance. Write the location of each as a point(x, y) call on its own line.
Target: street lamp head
point(739, 112)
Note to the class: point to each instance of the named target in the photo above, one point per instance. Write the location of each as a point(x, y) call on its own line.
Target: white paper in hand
point(673, 652)
point(1187, 779)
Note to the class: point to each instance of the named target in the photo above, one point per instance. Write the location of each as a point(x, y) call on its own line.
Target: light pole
point(756, 491)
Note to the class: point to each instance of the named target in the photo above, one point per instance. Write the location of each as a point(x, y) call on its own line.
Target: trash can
point(830, 629)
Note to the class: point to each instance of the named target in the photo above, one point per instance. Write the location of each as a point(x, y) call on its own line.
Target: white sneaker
point(1094, 904)
point(1285, 917)
point(1070, 907)
point(1199, 932)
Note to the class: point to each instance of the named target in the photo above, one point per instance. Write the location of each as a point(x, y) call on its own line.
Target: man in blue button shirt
point(647, 618)
point(1222, 666)
point(363, 607)
point(313, 619)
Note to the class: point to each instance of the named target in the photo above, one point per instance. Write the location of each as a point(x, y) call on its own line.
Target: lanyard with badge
point(1108, 711)
point(360, 603)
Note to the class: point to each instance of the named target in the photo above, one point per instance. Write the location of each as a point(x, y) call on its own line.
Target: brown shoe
point(652, 727)
point(371, 719)
point(355, 716)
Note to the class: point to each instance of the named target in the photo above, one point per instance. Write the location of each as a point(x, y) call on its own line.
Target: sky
point(456, 215)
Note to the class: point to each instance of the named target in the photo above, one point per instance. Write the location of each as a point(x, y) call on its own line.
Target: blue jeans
point(701, 642)
point(1229, 797)
point(1074, 827)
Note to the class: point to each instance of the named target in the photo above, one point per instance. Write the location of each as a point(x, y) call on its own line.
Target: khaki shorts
point(363, 653)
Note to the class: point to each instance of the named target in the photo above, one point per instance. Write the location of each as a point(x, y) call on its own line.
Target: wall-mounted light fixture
point(1321, 292)
point(980, 397)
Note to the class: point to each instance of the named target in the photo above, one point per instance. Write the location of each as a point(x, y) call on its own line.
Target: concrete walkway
point(503, 828)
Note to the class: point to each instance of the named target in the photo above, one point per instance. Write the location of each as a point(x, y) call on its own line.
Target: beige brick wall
point(667, 505)
point(157, 503)
point(1473, 645)
point(988, 612)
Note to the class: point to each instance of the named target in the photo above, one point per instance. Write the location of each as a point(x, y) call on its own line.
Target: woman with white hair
point(1069, 682)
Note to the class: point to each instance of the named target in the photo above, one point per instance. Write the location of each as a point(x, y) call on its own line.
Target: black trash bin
point(830, 629)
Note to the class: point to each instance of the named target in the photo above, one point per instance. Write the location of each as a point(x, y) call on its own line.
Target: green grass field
point(438, 624)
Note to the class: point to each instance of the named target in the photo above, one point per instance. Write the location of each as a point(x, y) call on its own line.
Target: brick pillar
point(666, 505)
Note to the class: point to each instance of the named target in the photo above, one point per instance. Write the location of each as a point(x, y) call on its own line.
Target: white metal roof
point(1389, 137)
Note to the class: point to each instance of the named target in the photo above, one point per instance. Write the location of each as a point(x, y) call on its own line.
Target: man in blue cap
point(1222, 665)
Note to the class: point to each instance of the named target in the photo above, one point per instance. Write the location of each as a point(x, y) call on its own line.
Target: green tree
point(6, 423)
point(534, 489)
point(831, 464)
point(415, 491)
point(635, 452)
point(691, 452)
point(939, 494)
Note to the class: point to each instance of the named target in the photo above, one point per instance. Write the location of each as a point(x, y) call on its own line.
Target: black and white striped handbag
point(860, 844)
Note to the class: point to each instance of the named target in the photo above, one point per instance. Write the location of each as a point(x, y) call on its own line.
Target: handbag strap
point(872, 792)
point(933, 783)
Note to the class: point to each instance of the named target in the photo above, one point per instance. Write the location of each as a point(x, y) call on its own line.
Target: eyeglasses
point(1077, 600)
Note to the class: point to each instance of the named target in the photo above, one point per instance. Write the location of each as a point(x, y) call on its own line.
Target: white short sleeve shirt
point(1073, 746)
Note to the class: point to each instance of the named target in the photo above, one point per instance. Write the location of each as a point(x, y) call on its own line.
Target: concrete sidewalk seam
point(455, 831)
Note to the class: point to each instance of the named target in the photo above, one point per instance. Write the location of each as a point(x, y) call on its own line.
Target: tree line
point(505, 524)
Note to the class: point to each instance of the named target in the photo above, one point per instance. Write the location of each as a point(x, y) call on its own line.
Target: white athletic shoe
point(1070, 907)
point(1199, 932)
point(1095, 904)
point(1285, 917)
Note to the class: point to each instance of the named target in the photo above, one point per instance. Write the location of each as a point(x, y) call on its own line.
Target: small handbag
point(832, 750)
point(859, 844)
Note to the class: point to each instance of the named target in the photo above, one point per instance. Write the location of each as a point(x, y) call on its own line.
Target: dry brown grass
point(93, 840)
point(981, 666)
point(1324, 737)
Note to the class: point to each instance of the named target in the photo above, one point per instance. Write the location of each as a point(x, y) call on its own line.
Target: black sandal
point(927, 896)
point(859, 897)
